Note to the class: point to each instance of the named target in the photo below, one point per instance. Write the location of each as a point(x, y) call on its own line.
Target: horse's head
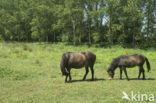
point(112, 67)
point(110, 73)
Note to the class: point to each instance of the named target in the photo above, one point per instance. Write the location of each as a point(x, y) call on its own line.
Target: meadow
point(30, 73)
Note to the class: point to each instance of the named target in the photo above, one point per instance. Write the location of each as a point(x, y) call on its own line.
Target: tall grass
point(30, 73)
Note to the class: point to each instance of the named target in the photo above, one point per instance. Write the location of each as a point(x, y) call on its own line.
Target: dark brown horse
point(128, 61)
point(77, 60)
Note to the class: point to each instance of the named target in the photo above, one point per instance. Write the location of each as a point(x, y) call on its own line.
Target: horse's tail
point(148, 64)
point(63, 64)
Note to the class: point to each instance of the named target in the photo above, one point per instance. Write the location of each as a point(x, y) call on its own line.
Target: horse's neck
point(114, 68)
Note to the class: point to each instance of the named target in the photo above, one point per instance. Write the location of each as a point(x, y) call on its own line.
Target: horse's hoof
point(83, 79)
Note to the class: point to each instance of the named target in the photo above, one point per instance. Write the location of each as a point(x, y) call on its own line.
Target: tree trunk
point(133, 42)
point(74, 31)
point(54, 36)
point(110, 29)
point(89, 37)
point(80, 38)
point(47, 39)
point(148, 21)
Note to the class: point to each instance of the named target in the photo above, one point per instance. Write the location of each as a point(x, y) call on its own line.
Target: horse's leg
point(87, 70)
point(66, 77)
point(143, 72)
point(126, 73)
point(69, 75)
point(92, 70)
point(120, 73)
point(140, 70)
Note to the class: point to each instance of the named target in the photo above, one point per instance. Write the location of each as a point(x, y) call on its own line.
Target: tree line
point(79, 21)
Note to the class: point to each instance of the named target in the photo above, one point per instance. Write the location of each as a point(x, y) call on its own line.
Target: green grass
point(30, 73)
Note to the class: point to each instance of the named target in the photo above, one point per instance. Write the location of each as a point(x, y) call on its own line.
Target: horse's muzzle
point(110, 78)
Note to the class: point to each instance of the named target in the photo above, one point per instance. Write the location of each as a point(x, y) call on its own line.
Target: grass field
point(30, 73)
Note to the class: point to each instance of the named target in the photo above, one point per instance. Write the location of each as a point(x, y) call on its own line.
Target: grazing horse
point(77, 60)
point(128, 61)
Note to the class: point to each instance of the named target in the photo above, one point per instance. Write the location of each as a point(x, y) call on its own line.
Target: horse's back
point(132, 60)
point(77, 57)
point(83, 55)
point(81, 59)
point(77, 60)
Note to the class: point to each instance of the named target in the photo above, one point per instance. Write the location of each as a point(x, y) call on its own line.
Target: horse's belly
point(130, 66)
point(77, 65)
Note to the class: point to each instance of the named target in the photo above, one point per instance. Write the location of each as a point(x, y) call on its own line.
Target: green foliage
point(77, 21)
point(96, 37)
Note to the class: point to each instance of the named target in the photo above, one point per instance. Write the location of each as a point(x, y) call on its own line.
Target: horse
point(128, 61)
point(77, 60)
